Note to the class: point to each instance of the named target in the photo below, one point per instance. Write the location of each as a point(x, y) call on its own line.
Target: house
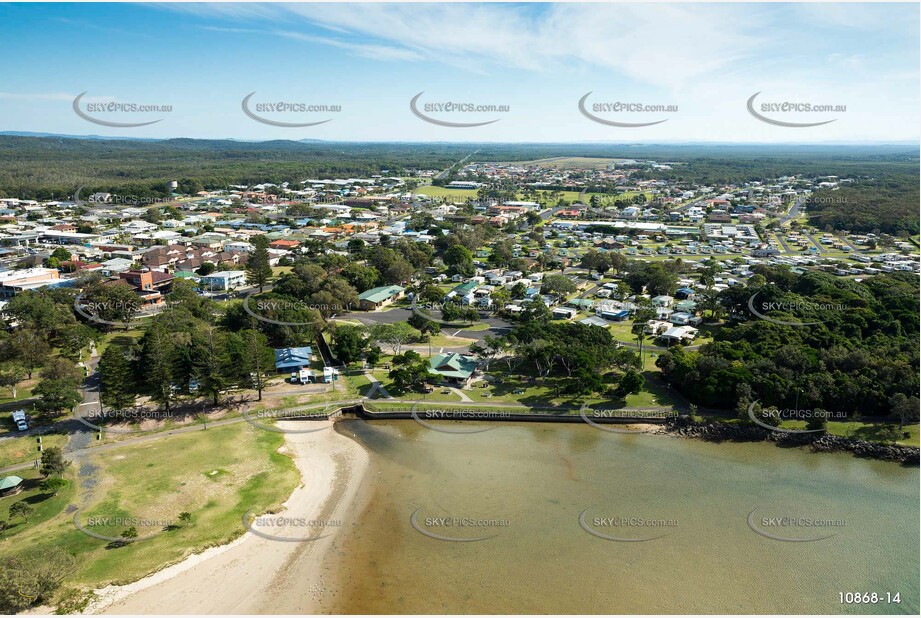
point(375, 298)
point(679, 334)
point(10, 485)
point(286, 245)
point(684, 293)
point(656, 327)
point(564, 313)
point(14, 281)
point(453, 367)
point(224, 280)
point(293, 359)
point(115, 266)
point(662, 301)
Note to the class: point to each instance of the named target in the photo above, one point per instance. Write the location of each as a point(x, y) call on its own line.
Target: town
point(603, 291)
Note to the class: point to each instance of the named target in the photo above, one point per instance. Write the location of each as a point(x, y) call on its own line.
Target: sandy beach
point(253, 574)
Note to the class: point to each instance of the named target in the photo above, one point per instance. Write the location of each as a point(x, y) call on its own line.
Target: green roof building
point(375, 298)
point(454, 367)
point(10, 485)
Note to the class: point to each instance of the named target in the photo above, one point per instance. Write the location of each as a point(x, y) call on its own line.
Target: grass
point(46, 505)
point(871, 432)
point(20, 449)
point(156, 481)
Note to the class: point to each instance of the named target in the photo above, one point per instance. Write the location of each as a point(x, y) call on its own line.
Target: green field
point(19, 449)
point(215, 475)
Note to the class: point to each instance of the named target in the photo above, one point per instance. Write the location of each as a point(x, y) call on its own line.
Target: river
point(668, 525)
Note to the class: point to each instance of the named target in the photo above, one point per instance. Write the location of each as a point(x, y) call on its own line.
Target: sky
point(366, 63)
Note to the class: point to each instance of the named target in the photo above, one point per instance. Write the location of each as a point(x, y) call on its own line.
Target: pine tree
point(115, 385)
point(258, 268)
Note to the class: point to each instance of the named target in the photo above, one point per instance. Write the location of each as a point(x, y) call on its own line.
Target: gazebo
point(10, 485)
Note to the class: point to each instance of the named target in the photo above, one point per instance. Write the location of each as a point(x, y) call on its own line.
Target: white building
point(223, 280)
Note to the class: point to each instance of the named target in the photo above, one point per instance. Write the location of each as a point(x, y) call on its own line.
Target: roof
point(464, 288)
point(453, 365)
point(9, 482)
point(378, 295)
point(679, 332)
point(293, 357)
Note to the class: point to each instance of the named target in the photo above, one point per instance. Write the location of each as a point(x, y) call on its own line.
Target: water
point(538, 478)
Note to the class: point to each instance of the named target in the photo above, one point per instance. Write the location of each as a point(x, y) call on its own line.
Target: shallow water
point(694, 499)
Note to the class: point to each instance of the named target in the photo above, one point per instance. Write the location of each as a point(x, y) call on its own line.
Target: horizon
point(97, 137)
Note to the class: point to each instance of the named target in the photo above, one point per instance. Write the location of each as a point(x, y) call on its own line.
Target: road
point(443, 174)
point(793, 213)
point(497, 326)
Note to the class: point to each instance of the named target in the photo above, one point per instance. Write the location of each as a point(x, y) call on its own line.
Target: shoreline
point(250, 571)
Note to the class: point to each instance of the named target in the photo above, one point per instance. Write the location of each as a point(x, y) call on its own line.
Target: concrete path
point(462, 394)
point(376, 387)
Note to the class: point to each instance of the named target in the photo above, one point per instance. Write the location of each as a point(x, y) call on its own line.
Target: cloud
point(661, 44)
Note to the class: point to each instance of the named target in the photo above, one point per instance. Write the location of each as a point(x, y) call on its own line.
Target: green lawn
point(216, 475)
point(46, 505)
point(19, 449)
point(872, 432)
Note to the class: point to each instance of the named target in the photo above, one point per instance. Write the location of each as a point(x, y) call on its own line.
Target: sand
point(255, 575)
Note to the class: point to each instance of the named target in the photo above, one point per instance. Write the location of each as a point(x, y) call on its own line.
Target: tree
point(158, 354)
point(53, 485)
point(11, 374)
point(410, 372)
point(185, 517)
point(258, 361)
point(423, 324)
point(32, 578)
point(59, 388)
point(459, 260)
point(212, 362)
point(641, 315)
point(30, 349)
point(53, 462)
point(22, 509)
point(206, 269)
point(558, 285)
point(395, 335)
point(112, 303)
point(116, 384)
point(905, 408)
point(258, 266)
point(631, 383)
point(349, 343)
point(130, 534)
point(73, 340)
